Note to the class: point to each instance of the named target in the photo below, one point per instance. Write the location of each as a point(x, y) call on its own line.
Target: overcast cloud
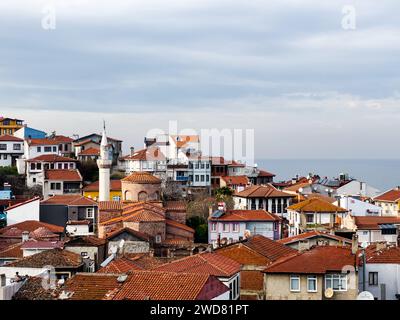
point(286, 69)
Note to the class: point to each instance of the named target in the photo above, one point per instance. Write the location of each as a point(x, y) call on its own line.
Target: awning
point(387, 226)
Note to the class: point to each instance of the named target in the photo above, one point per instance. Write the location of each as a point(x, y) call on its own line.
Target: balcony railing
point(182, 178)
point(69, 191)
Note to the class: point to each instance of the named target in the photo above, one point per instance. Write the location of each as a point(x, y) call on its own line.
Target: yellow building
point(92, 190)
point(8, 126)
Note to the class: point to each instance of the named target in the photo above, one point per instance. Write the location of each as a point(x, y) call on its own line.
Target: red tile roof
point(10, 138)
point(175, 224)
point(313, 234)
point(372, 223)
point(57, 258)
point(52, 158)
point(251, 280)
point(203, 263)
point(263, 173)
point(270, 249)
point(13, 251)
point(236, 180)
point(155, 285)
point(22, 203)
point(110, 205)
point(387, 254)
point(142, 178)
point(316, 205)
point(120, 265)
point(175, 206)
point(318, 260)
point(247, 215)
point(32, 225)
point(135, 233)
point(42, 142)
point(90, 152)
point(63, 175)
point(150, 154)
point(92, 286)
point(389, 196)
point(267, 191)
point(69, 200)
point(33, 244)
point(115, 185)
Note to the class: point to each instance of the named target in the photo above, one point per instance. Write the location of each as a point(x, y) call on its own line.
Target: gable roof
point(21, 204)
point(63, 175)
point(13, 251)
point(373, 223)
point(31, 226)
point(203, 263)
point(120, 265)
point(142, 177)
point(57, 258)
point(266, 191)
point(151, 154)
point(247, 215)
point(90, 241)
point(315, 205)
point(318, 260)
point(389, 196)
point(135, 233)
point(175, 206)
point(313, 234)
point(69, 200)
point(157, 285)
point(176, 224)
point(34, 244)
point(263, 173)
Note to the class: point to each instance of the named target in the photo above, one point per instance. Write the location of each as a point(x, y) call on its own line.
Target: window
point(116, 198)
point(373, 278)
point(225, 227)
point(235, 227)
point(54, 149)
point(207, 177)
point(197, 177)
point(47, 149)
point(213, 226)
point(89, 213)
point(312, 283)
point(59, 166)
point(5, 157)
point(338, 282)
point(38, 149)
point(202, 178)
point(34, 180)
point(3, 146)
point(202, 165)
point(389, 231)
point(294, 283)
point(158, 238)
point(65, 166)
point(310, 218)
point(16, 146)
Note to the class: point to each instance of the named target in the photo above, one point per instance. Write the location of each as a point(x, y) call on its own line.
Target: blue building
point(26, 133)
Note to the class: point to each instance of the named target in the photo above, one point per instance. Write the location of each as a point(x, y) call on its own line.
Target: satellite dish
point(365, 295)
point(113, 249)
point(121, 243)
point(329, 293)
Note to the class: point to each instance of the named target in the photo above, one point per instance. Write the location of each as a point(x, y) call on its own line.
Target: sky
point(308, 85)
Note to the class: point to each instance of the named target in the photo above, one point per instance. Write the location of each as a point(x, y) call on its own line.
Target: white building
point(358, 207)
point(11, 148)
point(28, 210)
point(382, 272)
point(104, 163)
point(389, 201)
point(377, 229)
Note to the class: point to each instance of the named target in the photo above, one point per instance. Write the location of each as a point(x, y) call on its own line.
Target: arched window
point(128, 195)
point(142, 196)
point(156, 195)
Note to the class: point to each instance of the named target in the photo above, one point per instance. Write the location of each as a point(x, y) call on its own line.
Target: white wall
point(371, 236)
point(27, 211)
point(358, 207)
point(388, 274)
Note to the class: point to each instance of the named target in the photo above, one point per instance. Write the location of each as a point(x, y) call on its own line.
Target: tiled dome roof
point(142, 178)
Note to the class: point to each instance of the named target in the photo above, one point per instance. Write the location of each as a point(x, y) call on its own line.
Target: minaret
point(104, 163)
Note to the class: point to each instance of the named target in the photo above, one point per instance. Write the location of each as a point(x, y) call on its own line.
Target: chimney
point(354, 244)
point(132, 151)
point(2, 280)
point(25, 236)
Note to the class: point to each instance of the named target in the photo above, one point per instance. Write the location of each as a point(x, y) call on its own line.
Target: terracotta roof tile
point(247, 215)
point(139, 212)
point(21, 203)
point(315, 205)
point(386, 254)
point(251, 280)
point(69, 200)
point(150, 154)
point(90, 152)
point(372, 223)
point(120, 265)
point(51, 158)
point(110, 205)
point(263, 173)
point(236, 180)
point(175, 206)
point(10, 138)
point(115, 185)
point(63, 175)
point(203, 263)
point(142, 178)
point(166, 286)
point(34, 244)
point(390, 196)
point(13, 251)
point(32, 225)
point(175, 224)
point(267, 191)
point(135, 233)
point(313, 234)
point(57, 258)
point(318, 260)
point(271, 249)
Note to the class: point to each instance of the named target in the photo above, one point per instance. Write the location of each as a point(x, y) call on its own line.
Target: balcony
point(181, 178)
point(72, 191)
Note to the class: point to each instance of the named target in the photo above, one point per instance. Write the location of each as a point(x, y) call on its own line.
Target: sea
point(382, 174)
